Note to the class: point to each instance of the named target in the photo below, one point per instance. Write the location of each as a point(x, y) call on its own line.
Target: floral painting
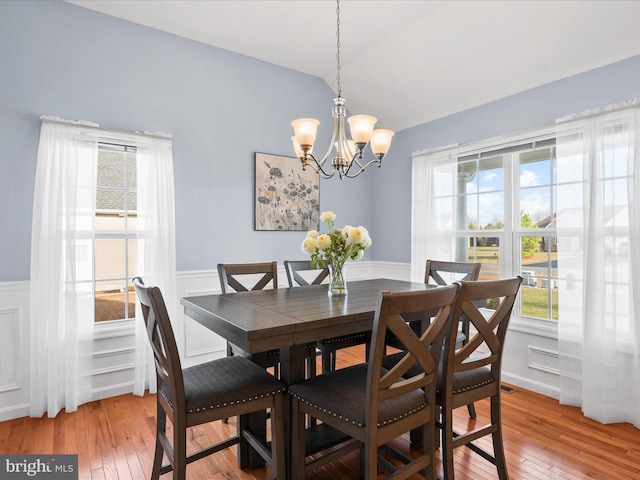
point(286, 197)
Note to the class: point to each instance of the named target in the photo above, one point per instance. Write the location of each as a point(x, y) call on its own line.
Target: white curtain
point(598, 224)
point(433, 216)
point(156, 259)
point(62, 257)
point(62, 307)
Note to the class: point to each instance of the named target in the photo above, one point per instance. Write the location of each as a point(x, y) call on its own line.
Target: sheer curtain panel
point(598, 211)
point(434, 187)
point(62, 303)
point(156, 260)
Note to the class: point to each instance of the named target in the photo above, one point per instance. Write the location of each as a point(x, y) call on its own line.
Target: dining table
point(289, 319)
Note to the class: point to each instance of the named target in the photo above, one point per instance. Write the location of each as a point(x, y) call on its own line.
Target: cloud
point(490, 177)
point(529, 178)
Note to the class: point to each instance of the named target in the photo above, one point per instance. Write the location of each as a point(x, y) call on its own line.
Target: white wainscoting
point(14, 349)
point(530, 356)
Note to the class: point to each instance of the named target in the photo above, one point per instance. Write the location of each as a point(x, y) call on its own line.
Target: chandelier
point(348, 158)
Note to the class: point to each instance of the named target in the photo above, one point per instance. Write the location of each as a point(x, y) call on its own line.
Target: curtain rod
point(96, 126)
point(594, 112)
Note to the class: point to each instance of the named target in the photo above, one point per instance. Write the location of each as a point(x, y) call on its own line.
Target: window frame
point(509, 237)
point(124, 146)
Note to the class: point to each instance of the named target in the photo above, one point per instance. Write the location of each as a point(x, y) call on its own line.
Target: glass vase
point(337, 283)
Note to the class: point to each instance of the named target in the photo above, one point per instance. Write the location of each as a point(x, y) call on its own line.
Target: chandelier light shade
point(346, 154)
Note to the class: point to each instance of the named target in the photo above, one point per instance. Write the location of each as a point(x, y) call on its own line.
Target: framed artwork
point(286, 197)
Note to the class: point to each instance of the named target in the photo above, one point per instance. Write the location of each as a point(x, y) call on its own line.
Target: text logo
point(39, 467)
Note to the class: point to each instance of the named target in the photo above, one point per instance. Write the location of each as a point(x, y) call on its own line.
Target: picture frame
point(287, 198)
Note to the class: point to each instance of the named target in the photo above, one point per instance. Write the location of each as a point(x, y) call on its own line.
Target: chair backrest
point(485, 347)
point(294, 267)
point(234, 276)
point(444, 273)
point(162, 340)
point(418, 367)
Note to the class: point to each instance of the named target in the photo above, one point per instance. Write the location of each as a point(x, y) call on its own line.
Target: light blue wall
point(531, 109)
point(60, 59)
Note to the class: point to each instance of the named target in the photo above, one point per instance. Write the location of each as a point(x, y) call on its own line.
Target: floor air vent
point(507, 389)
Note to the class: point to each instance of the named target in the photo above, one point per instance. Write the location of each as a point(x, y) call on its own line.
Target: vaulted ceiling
point(407, 62)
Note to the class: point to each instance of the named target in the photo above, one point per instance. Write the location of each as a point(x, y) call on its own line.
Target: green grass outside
point(535, 302)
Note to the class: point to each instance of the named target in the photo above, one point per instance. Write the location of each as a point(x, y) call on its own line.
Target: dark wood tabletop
point(288, 319)
point(262, 320)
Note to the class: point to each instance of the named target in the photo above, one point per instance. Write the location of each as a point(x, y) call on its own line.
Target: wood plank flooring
point(114, 439)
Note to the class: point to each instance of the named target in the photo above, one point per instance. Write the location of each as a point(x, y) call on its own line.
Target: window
point(115, 232)
point(498, 206)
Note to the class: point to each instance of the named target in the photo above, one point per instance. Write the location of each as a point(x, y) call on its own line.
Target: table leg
point(256, 423)
point(292, 370)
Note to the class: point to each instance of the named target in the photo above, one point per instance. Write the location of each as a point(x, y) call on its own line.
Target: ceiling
point(407, 62)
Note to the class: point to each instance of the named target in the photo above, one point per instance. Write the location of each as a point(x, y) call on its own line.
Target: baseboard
point(532, 385)
point(14, 411)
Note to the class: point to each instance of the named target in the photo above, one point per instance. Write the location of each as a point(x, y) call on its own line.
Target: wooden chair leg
point(298, 446)
point(277, 438)
point(472, 410)
point(370, 461)
point(161, 426)
point(498, 445)
point(447, 444)
point(179, 452)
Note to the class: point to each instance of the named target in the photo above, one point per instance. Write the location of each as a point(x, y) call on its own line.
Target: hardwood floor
point(114, 439)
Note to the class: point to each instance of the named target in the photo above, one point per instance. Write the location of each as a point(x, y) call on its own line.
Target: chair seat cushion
point(471, 379)
point(343, 394)
point(223, 382)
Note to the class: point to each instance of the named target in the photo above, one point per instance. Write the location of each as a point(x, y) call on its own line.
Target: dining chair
point(373, 405)
point(244, 277)
point(226, 387)
point(328, 347)
point(441, 273)
point(473, 372)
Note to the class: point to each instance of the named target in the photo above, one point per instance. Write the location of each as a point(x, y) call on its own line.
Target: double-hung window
point(495, 205)
point(115, 232)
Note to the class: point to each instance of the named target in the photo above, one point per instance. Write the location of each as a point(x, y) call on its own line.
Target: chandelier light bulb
point(305, 130)
point(361, 127)
point(381, 141)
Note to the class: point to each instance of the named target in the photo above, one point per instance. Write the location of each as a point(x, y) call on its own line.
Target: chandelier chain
point(339, 66)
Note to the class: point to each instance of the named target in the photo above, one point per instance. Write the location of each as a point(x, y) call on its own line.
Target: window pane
point(491, 176)
point(110, 169)
point(539, 270)
point(468, 180)
point(535, 167)
point(132, 177)
point(484, 250)
point(110, 201)
point(491, 211)
point(469, 212)
point(131, 264)
point(444, 212)
point(110, 301)
point(110, 258)
point(114, 257)
point(536, 204)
